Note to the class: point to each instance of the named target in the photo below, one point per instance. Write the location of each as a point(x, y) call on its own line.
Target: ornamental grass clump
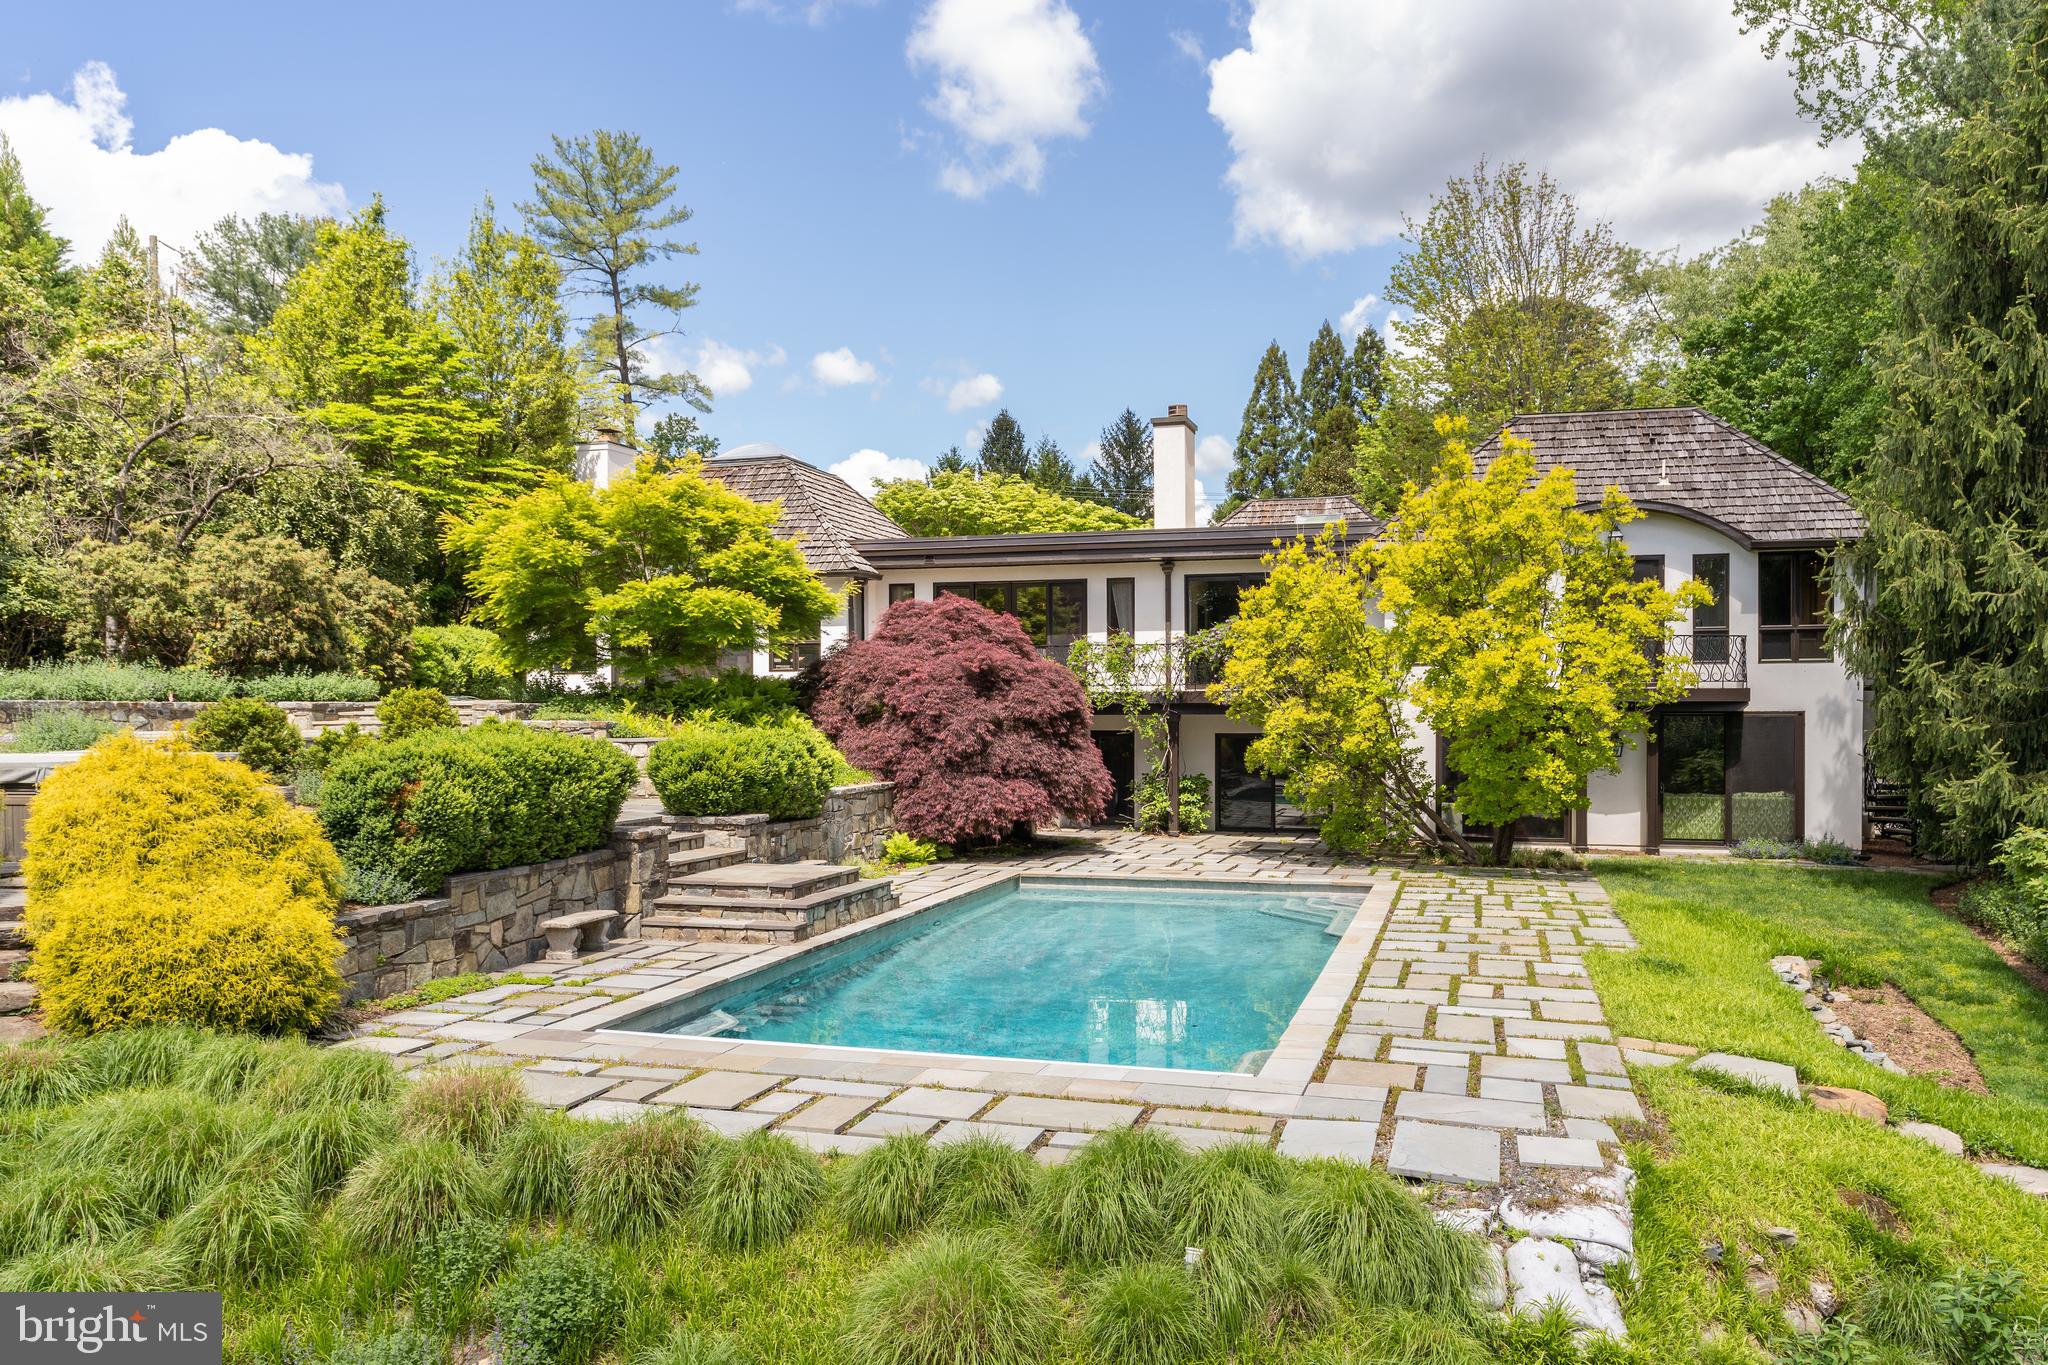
point(888, 1190)
point(150, 1055)
point(558, 1305)
point(1147, 1313)
point(322, 1143)
point(475, 1106)
point(1378, 1241)
point(984, 1180)
point(48, 1205)
point(756, 1190)
point(687, 1345)
point(536, 1162)
point(43, 1072)
point(250, 1226)
point(224, 1066)
point(168, 1144)
point(132, 1265)
point(1107, 1204)
point(955, 1298)
point(1211, 1200)
point(319, 1076)
point(403, 1191)
point(633, 1179)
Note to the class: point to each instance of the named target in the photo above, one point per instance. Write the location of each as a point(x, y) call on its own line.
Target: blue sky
point(1091, 205)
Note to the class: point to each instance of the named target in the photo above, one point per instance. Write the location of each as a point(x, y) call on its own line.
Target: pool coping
point(1296, 1056)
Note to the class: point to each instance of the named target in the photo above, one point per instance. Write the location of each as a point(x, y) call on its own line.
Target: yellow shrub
point(230, 953)
point(161, 813)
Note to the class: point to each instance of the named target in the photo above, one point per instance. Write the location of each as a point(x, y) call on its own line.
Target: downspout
point(1167, 699)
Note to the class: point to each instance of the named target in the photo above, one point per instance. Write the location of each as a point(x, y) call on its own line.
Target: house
point(1769, 743)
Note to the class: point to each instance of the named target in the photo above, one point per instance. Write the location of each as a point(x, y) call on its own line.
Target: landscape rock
point(1493, 1289)
point(1769, 1075)
point(2028, 1178)
point(1944, 1138)
point(1803, 1320)
point(1575, 1222)
point(1825, 1300)
point(1784, 1237)
point(1541, 1271)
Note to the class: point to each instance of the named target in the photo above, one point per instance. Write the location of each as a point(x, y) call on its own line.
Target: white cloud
point(79, 159)
point(1357, 316)
point(1662, 117)
point(975, 391)
point(865, 469)
point(839, 368)
point(1188, 45)
point(1213, 454)
point(1012, 76)
point(727, 369)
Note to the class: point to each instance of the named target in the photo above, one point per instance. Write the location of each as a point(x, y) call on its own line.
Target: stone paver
point(1534, 1150)
point(1045, 1113)
point(938, 1104)
point(881, 1125)
point(1329, 1137)
point(1770, 1075)
point(558, 1091)
point(1480, 1113)
point(719, 1090)
point(1010, 1134)
point(1435, 1151)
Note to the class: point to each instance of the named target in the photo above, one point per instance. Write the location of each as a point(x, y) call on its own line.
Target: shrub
point(325, 749)
point(461, 661)
point(1149, 805)
point(536, 1163)
point(775, 770)
point(410, 710)
point(379, 886)
point(250, 1226)
point(756, 1190)
point(1107, 1204)
point(256, 731)
point(635, 1177)
point(88, 680)
point(398, 1346)
point(453, 1265)
point(1147, 1314)
point(2023, 858)
point(557, 1305)
point(1377, 1241)
point(888, 1190)
point(978, 730)
point(56, 732)
point(402, 1191)
point(907, 850)
point(472, 1106)
point(490, 796)
point(984, 1180)
point(1999, 907)
point(954, 1298)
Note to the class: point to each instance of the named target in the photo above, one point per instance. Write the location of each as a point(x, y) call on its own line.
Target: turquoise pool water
point(1141, 974)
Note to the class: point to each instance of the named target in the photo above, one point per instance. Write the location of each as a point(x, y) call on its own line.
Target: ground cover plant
point(353, 1216)
point(93, 681)
point(1870, 1207)
point(45, 732)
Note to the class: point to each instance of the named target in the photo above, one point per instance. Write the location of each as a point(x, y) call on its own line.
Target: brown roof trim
point(1071, 547)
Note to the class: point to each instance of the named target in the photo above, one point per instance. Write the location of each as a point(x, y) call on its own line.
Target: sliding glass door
point(1726, 776)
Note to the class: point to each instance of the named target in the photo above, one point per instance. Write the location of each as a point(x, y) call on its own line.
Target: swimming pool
point(1131, 973)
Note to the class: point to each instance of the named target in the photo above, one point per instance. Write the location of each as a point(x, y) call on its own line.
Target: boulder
point(1843, 1100)
point(1542, 1272)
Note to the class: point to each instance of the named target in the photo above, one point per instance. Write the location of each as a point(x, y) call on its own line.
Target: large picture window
point(1791, 606)
point(1053, 614)
point(1726, 776)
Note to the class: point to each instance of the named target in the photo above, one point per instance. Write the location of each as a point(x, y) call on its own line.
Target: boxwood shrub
point(494, 795)
point(256, 731)
point(782, 771)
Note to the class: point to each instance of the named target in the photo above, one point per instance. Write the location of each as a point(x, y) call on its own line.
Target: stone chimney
point(1173, 469)
point(605, 458)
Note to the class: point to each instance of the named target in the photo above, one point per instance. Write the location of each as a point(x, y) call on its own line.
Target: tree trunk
point(1503, 842)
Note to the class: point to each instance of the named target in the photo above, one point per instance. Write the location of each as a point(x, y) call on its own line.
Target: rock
point(1823, 1014)
point(1803, 1320)
point(1842, 1100)
point(1761, 1282)
point(1824, 1297)
point(1478, 1222)
point(1541, 1272)
point(1595, 1257)
point(1713, 1252)
point(1493, 1290)
point(1944, 1138)
point(2026, 1177)
point(1784, 1237)
point(1770, 1075)
point(16, 997)
point(1574, 1222)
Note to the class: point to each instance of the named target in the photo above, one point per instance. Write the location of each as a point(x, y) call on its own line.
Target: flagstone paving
point(1456, 1015)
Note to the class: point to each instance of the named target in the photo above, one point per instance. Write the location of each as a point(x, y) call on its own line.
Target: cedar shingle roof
point(1291, 512)
point(822, 510)
point(1688, 461)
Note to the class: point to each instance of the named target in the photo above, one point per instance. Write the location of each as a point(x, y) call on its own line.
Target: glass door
point(1726, 776)
point(1119, 751)
point(1245, 800)
point(1692, 776)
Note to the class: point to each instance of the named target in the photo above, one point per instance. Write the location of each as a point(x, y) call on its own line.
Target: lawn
point(1728, 1163)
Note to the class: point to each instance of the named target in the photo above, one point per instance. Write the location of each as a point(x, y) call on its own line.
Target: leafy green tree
point(499, 300)
point(1271, 446)
point(354, 349)
point(1947, 592)
point(678, 434)
point(1122, 469)
point(963, 503)
point(1863, 65)
point(602, 205)
point(664, 570)
point(239, 268)
point(1003, 448)
point(26, 243)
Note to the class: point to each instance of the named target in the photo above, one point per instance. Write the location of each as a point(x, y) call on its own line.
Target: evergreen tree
point(679, 434)
point(1122, 471)
point(239, 268)
point(952, 462)
point(1003, 450)
point(1325, 378)
point(1956, 558)
point(1369, 372)
point(1052, 470)
point(26, 242)
point(1329, 415)
point(1270, 445)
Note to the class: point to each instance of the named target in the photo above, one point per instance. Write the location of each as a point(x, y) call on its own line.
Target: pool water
point(1145, 974)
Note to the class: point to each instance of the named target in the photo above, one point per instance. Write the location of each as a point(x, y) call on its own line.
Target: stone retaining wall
point(489, 921)
point(853, 823)
point(312, 717)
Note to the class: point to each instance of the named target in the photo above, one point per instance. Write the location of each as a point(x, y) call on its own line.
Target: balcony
point(1720, 661)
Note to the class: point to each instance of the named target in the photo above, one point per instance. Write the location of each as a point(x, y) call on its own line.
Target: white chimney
point(604, 459)
point(1173, 469)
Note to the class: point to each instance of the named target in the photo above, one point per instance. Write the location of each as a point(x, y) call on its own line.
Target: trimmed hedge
point(94, 681)
point(409, 710)
point(256, 731)
point(782, 771)
point(499, 794)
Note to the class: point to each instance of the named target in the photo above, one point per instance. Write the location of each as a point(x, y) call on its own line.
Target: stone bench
point(570, 936)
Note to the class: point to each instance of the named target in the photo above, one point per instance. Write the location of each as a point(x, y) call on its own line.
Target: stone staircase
point(690, 852)
point(15, 996)
point(732, 901)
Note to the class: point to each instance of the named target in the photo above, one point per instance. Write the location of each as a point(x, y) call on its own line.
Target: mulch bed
point(1912, 1037)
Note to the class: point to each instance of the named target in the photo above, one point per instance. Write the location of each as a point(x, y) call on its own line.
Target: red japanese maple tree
point(978, 730)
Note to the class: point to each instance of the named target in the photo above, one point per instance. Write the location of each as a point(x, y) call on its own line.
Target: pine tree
point(1325, 378)
point(239, 268)
point(1051, 469)
point(26, 242)
point(1369, 371)
point(1329, 415)
point(1956, 558)
point(1270, 445)
point(1003, 450)
point(952, 462)
point(679, 434)
point(1122, 471)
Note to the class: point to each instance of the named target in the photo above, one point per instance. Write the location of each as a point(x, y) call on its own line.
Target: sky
point(910, 213)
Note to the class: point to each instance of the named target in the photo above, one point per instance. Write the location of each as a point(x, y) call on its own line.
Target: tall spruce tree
point(1369, 371)
point(1003, 449)
point(1271, 447)
point(1330, 417)
point(26, 242)
point(1052, 470)
point(1122, 471)
point(952, 462)
point(240, 268)
point(1956, 490)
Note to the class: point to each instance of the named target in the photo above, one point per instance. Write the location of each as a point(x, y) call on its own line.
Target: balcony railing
point(1718, 659)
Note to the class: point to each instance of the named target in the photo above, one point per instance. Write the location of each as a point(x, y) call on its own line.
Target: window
point(902, 592)
point(1212, 601)
point(1791, 606)
point(1726, 776)
point(1123, 606)
point(793, 657)
point(1054, 615)
point(1710, 622)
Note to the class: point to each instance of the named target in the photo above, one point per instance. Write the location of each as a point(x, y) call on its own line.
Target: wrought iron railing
point(1718, 659)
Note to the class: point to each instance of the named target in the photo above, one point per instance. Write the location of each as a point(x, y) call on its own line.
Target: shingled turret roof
point(1689, 463)
point(822, 510)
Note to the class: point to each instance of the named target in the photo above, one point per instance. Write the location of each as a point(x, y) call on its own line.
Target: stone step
point(764, 881)
point(694, 917)
point(682, 840)
point(690, 861)
point(705, 929)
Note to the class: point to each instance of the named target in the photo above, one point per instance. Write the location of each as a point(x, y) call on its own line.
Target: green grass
point(1701, 975)
point(1869, 1204)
